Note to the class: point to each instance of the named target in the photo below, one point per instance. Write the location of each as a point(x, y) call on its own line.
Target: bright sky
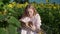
point(44, 1)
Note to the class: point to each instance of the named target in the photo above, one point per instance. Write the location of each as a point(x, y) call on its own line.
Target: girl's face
point(30, 12)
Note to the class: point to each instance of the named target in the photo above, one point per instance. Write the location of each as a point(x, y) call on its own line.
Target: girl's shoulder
point(37, 15)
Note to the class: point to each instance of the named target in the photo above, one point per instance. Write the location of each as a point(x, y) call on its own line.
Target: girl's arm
point(38, 21)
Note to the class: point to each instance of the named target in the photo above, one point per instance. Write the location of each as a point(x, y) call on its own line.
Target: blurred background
point(11, 11)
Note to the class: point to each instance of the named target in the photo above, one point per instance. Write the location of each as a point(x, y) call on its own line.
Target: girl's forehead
point(30, 9)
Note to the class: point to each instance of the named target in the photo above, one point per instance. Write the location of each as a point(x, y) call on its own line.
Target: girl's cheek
point(30, 13)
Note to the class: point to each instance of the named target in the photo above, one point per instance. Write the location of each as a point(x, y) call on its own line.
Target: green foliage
point(9, 18)
point(12, 29)
point(50, 21)
point(9, 21)
point(13, 21)
point(3, 31)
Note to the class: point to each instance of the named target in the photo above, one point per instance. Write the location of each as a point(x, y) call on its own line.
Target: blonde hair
point(26, 13)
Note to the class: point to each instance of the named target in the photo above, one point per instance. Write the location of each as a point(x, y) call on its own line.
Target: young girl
point(30, 20)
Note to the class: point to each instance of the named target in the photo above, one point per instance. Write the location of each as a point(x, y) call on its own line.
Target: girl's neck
point(32, 16)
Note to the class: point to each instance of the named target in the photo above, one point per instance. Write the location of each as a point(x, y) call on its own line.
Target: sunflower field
point(10, 14)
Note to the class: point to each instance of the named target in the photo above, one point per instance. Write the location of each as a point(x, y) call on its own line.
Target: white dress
point(36, 20)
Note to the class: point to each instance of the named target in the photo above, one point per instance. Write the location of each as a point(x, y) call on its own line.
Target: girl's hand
point(33, 28)
point(27, 25)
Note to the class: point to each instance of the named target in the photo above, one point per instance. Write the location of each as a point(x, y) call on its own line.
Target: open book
point(25, 20)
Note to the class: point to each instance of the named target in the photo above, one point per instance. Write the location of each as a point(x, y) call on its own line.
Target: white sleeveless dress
point(36, 20)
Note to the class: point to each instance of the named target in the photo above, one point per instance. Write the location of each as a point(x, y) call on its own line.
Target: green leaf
point(12, 29)
point(3, 31)
point(1, 2)
point(1, 17)
point(13, 21)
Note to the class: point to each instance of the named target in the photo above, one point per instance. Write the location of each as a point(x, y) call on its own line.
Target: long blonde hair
point(26, 13)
